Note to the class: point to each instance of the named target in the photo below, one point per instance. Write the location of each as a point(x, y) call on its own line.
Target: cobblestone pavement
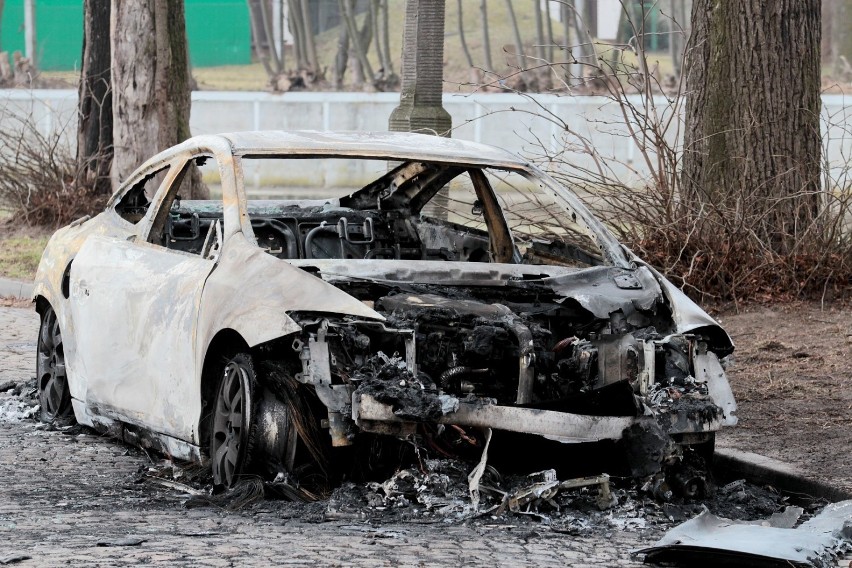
point(63, 494)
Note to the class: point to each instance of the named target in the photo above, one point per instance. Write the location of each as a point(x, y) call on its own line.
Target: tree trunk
point(150, 78)
point(257, 21)
point(94, 125)
point(310, 41)
point(539, 32)
point(465, 50)
point(678, 25)
point(752, 113)
point(266, 18)
point(384, 35)
point(356, 37)
point(374, 19)
point(841, 39)
point(342, 57)
point(297, 29)
point(574, 72)
point(543, 70)
point(548, 19)
point(486, 40)
point(516, 34)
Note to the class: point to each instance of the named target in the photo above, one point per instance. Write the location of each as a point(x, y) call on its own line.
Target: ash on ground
point(439, 493)
point(18, 401)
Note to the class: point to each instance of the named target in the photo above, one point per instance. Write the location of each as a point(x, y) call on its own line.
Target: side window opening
point(453, 223)
point(134, 205)
point(192, 226)
point(543, 230)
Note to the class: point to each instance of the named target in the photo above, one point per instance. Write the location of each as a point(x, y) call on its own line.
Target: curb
point(731, 463)
point(16, 288)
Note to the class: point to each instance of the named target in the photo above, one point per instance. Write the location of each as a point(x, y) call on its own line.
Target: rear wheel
point(230, 431)
point(53, 393)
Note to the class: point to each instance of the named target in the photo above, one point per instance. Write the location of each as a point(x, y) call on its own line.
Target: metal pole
point(30, 31)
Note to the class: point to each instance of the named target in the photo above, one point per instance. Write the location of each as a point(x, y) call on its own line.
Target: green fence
point(218, 32)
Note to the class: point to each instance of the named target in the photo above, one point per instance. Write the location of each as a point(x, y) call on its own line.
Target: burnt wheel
point(54, 395)
point(231, 421)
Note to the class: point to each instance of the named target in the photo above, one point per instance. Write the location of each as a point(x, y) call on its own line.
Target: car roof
point(401, 145)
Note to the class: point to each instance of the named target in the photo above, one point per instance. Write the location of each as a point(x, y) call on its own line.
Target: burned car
point(438, 288)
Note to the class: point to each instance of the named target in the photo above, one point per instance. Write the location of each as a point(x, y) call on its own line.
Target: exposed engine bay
point(545, 355)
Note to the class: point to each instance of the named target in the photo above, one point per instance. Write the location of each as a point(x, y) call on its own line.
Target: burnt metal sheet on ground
point(708, 540)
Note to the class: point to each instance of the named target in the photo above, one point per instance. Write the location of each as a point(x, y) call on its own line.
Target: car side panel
point(60, 250)
point(135, 309)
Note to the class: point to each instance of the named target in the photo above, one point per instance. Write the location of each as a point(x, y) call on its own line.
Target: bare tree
point(572, 70)
point(516, 34)
point(542, 69)
point(357, 38)
point(840, 18)
point(309, 39)
point(677, 34)
point(486, 39)
point(297, 29)
point(385, 77)
point(548, 19)
point(150, 80)
point(539, 31)
point(267, 52)
point(304, 41)
point(462, 39)
point(342, 57)
point(383, 36)
point(94, 125)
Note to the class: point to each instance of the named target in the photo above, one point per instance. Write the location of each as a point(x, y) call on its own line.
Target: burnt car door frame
point(154, 317)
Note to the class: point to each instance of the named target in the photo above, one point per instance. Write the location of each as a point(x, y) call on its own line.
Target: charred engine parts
point(479, 362)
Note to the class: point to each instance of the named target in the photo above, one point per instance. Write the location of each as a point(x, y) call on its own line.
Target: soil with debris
point(792, 377)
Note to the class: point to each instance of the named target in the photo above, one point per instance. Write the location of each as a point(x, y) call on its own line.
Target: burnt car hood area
point(568, 354)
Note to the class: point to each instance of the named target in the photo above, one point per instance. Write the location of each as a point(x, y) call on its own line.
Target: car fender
point(252, 292)
point(688, 316)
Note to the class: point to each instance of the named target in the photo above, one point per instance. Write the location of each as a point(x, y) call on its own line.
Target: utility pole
point(420, 108)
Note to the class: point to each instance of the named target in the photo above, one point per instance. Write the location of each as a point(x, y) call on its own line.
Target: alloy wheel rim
point(53, 379)
point(229, 424)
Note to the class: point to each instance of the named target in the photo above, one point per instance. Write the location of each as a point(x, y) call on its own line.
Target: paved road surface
point(63, 494)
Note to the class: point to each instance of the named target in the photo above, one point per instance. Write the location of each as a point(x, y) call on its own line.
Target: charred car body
point(457, 286)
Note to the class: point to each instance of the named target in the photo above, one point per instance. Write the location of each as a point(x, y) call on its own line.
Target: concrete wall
point(514, 122)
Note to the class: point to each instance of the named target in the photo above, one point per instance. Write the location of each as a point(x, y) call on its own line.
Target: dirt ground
point(792, 376)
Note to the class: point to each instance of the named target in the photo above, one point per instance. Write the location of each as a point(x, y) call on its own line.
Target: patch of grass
point(20, 254)
point(232, 77)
